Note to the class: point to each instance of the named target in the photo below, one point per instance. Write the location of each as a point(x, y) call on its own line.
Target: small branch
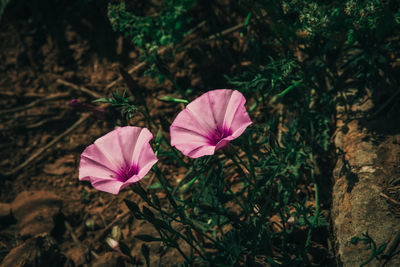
point(389, 199)
point(79, 88)
point(34, 103)
point(226, 32)
point(42, 122)
point(40, 151)
point(33, 125)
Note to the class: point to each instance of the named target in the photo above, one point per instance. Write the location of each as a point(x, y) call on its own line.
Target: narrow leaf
point(132, 206)
point(173, 99)
point(148, 238)
point(146, 254)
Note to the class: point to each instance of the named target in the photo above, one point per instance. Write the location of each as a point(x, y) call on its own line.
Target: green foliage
point(121, 102)
point(274, 77)
point(237, 209)
point(165, 28)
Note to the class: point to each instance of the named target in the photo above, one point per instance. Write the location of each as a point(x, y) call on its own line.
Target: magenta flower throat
point(117, 159)
point(209, 123)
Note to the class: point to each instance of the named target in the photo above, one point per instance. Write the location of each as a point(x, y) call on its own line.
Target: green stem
point(287, 90)
point(238, 202)
point(165, 184)
point(184, 222)
point(232, 157)
point(316, 215)
point(281, 94)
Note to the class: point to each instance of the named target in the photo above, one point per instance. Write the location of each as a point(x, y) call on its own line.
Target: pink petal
point(187, 121)
point(133, 180)
point(110, 146)
point(142, 151)
point(110, 161)
point(94, 154)
point(146, 160)
point(201, 151)
point(89, 167)
point(108, 185)
point(240, 121)
point(234, 108)
point(216, 114)
point(189, 142)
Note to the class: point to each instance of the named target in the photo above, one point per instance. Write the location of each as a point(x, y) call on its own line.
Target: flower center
point(218, 135)
point(127, 172)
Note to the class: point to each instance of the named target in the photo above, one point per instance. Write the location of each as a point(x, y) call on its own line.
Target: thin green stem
point(165, 184)
point(290, 88)
point(316, 215)
point(238, 201)
point(184, 222)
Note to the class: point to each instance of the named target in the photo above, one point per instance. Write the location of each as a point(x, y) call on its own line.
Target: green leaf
point(160, 78)
point(155, 186)
point(155, 199)
point(132, 206)
point(351, 37)
point(103, 100)
point(148, 238)
point(146, 254)
point(148, 213)
point(140, 191)
point(188, 185)
point(247, 19)
point(381, 249)
point(173, 99)
point(161, 224)
point(124, 248)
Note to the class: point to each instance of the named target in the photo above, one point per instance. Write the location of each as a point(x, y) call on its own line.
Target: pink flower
point(117, 159)
point(210, 122)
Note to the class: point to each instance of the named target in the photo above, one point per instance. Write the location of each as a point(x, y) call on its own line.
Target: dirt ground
point(35, 54)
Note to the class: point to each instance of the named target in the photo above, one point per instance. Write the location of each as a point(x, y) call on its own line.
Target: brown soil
point(34, 52)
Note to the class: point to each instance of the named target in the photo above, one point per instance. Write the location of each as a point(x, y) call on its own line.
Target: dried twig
point(34, 103)
point(33, 125)
point(79, 88)
point(389, 199)
point(40, 151)
point(226, 32)
point(44, 121)
point(7, 93)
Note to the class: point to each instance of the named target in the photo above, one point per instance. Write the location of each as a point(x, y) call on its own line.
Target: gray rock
point(357, 206)
point(35, 212)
